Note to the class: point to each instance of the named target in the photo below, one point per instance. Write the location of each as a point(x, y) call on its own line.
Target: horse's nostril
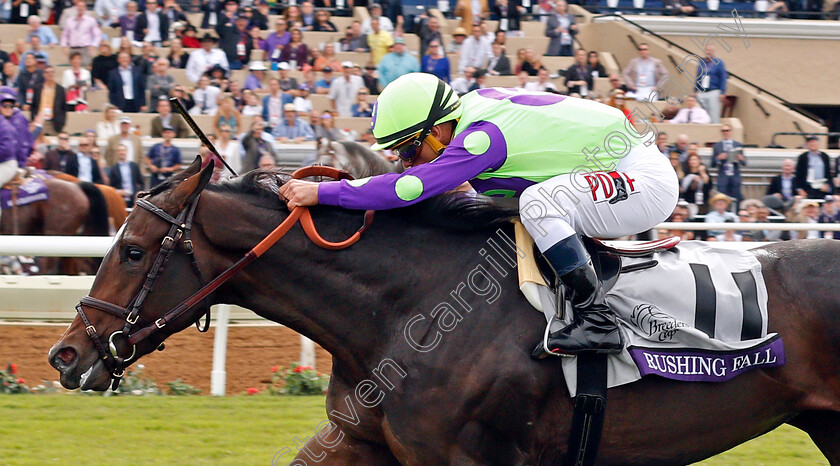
point(67, 355)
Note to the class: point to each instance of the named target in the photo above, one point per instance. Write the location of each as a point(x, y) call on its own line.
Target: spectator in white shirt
point(522, 79)
point(204, 58)
point(542, 84)
point(252, 104)
point(303, 104)
point(692, 113)
point(385, 23)
point(475, 50)
point(462, 84)
point(109, 11)
point(206, 98)
point(343, 90)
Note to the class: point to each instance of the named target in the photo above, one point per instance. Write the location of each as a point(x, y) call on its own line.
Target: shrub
point(137, 384)
point(10, 382)
point(298, 380)
point(178, 388)
point(133, 383)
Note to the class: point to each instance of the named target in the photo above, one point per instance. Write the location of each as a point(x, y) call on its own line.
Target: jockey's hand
point(299, 193)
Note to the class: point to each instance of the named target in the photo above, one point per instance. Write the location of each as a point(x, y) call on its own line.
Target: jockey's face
point(7, 108)
point(426, 154)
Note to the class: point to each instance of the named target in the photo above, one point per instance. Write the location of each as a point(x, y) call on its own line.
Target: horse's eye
point(134, 254)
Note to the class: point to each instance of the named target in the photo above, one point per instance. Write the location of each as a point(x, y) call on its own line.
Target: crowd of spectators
point(805, 191)
point(273, 45)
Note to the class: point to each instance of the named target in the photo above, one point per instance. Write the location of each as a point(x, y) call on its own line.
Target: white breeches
point(641, 192)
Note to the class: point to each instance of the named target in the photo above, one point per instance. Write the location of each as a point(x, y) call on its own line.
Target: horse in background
point(354, 158)
point(71, 209)
point(117, 208)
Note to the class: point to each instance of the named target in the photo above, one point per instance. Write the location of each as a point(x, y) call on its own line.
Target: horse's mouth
point(95, 378)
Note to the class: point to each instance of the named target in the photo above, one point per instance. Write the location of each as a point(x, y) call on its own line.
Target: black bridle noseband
point(179, 233)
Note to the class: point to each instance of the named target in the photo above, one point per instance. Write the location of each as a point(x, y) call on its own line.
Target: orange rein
point(302, 213)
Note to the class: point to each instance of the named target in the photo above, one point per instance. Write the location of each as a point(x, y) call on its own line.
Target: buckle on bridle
point(136, 317)
point(188, 246)
point(91, 330)
point(168, 242)
point(158, 323)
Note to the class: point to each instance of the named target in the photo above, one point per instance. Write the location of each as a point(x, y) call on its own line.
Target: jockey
point(21, 123)
point(9, 139)
point(577, 166)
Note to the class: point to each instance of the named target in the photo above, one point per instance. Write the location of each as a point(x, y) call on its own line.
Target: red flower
point(253, 391)
point(13, 368)
point(297, 369)
point(305, 368)
point(275, 368)
point(21, 381)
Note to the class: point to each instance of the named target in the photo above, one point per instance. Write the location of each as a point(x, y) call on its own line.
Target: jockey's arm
point(457, 165)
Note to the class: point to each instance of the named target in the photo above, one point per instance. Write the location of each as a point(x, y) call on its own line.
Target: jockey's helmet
point(410, 106)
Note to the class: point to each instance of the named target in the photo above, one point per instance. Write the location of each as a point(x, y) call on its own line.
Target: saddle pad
point(699, 315)
point(32, 190)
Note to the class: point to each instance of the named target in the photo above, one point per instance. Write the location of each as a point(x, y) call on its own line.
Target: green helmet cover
point(411, 104)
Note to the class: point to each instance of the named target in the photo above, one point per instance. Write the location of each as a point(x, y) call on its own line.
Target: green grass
point(92, 430)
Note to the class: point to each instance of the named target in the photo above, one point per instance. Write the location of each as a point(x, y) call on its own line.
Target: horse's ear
point(197, 180)
point(194, 167)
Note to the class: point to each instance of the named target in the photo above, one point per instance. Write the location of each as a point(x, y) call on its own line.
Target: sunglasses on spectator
point(725, 130)
point(8, 105)
point(225, 131)
point(65, 138)
point(643, 49)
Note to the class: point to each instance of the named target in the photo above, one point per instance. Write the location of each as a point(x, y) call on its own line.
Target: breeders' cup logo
point(649, 319)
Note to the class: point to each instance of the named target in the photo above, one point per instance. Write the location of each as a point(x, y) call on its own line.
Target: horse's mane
point(451, 211)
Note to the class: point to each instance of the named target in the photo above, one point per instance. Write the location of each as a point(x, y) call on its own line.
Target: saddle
point(17, 181)
point(590, 401)
point(606, 258)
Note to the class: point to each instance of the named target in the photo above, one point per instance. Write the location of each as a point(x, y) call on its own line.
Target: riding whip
point(176, 102)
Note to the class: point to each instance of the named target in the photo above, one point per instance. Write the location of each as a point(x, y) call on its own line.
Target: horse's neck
point(356, 303)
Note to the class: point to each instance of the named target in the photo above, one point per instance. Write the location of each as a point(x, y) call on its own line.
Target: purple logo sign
point(692, 365)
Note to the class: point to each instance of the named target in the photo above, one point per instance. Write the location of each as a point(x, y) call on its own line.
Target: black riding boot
point(593, 328)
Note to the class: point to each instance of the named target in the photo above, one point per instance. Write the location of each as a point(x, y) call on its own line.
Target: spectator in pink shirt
point(81, 34)
point(692, 113)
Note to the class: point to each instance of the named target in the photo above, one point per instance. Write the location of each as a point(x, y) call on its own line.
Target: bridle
point(136, 330)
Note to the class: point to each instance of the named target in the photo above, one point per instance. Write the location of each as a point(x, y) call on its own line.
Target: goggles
point(409, 150)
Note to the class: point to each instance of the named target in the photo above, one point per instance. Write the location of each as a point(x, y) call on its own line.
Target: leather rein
point(179, 233)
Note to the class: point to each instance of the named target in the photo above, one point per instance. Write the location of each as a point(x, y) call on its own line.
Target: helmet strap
point(436, 145)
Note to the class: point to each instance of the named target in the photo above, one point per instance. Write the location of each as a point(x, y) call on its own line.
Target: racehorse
point(117, 208)
point(354, 158)
point(72, 209)
point(431, 341)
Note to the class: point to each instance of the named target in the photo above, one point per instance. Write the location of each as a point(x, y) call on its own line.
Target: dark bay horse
point(431, 338)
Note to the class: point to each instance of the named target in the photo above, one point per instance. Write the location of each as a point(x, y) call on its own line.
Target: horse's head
point(127, 313)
